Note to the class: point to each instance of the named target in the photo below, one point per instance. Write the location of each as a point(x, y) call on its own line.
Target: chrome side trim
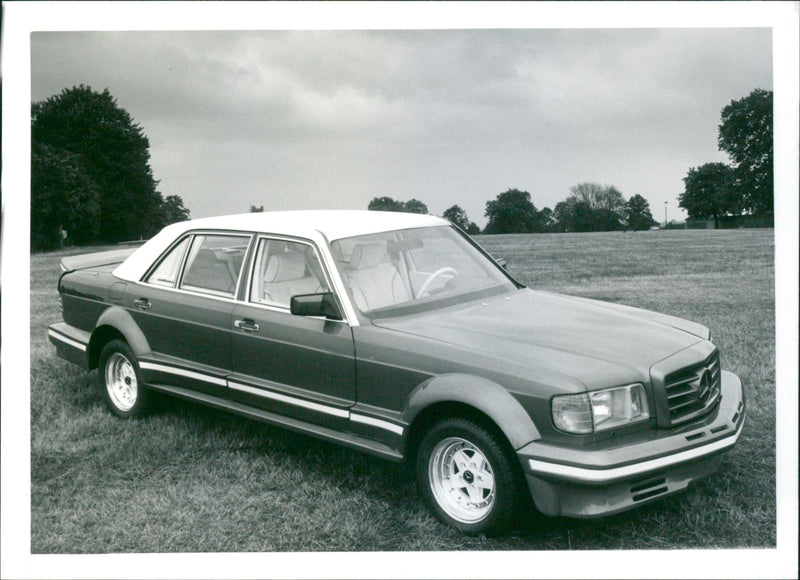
point(183, 373)
point(343, 413)
point(325, 433)
point(377, 423)
point(328, 410)
point(65, 340)
point(616, 473)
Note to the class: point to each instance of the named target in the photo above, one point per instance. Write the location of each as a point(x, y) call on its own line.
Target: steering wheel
point(436, 274)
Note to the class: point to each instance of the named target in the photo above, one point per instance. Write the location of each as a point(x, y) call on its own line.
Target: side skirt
point(346, 439)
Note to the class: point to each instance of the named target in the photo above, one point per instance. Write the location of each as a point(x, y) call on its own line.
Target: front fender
point(482, 394)
point(119, 319)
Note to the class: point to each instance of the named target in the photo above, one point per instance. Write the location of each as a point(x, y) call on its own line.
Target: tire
point(468, 476)
point(120, 380)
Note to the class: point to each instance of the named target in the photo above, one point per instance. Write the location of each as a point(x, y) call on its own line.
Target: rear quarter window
point(166, 273)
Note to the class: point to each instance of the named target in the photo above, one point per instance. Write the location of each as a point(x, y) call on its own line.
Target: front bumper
point(585, 483)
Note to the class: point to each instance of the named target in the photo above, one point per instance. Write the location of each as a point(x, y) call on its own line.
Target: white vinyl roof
point(313, 225)
point(333, 224)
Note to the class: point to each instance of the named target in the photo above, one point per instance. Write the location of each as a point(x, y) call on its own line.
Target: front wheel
point(120, 381)
point(467, 476)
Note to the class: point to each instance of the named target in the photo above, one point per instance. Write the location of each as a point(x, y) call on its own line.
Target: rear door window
point(214, 264)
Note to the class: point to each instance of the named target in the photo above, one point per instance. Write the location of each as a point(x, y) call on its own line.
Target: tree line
point(91, 180)
point(746, 186)
point(589, 207)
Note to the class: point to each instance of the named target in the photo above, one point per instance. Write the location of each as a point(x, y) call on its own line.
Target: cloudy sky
point(330, 119)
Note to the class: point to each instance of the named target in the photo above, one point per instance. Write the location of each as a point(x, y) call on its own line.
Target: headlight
point(600, 410)
point(572, 413)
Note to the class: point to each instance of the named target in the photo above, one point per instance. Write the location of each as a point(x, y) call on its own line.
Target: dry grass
point(189, 479)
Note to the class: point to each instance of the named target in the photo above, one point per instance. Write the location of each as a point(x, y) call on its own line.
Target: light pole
point(665, 215)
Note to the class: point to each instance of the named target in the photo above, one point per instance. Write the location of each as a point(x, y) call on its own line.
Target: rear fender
point(116, 319)
point(485, 396)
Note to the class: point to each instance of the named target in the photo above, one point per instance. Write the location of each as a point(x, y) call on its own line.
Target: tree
point(512, 212)
point(709, 192)
point(637, 214)
point(605, 202)
point(745, 134)
point(415, 206)
point(173, 210)
point(86, 133)
point(63, 199)
point(573, 215)
point(560, 216)
point(385, 203)
point(590, 207)
point(547, 220)
point(459, 217)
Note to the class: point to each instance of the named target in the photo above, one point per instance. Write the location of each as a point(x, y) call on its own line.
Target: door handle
point(247, 325)
point(142, 304)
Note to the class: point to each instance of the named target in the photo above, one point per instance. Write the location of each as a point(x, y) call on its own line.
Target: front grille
point(693, 391)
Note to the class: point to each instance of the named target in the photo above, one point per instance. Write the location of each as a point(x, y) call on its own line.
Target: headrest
point(367, 255)
point(285, 267)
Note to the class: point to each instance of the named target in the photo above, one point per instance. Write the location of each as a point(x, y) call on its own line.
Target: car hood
point(597, 343)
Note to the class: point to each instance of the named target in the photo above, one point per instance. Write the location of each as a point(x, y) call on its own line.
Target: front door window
point(284, 269)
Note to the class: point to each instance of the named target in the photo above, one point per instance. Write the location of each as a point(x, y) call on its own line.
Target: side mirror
point(323, 304)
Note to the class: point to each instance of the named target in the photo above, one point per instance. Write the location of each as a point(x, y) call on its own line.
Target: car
point(398, 335)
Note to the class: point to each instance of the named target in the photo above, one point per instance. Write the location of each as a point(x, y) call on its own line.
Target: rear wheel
point(120, 380)
point(467, 476)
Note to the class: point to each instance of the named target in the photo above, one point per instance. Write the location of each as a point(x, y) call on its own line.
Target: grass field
point(189, 479)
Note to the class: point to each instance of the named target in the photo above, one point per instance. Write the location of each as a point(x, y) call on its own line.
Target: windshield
point(412, 268)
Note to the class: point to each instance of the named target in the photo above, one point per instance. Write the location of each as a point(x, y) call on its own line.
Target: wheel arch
point(471, 397)
point(115, 323)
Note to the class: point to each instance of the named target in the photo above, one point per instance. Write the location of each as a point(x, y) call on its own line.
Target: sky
point(330, 119)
